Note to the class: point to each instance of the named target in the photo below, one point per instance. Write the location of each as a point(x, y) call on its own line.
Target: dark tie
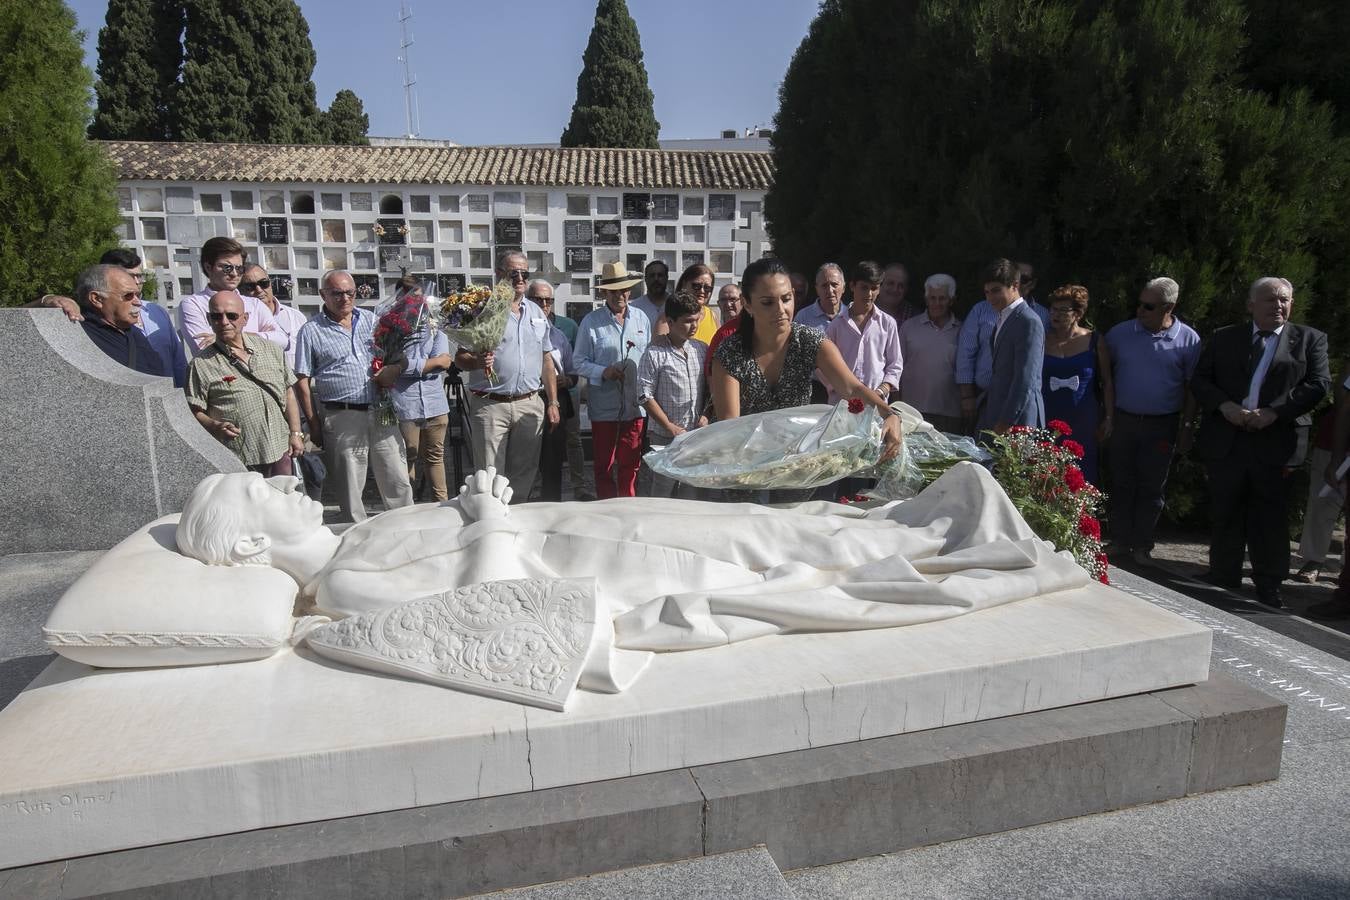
point(1258, 350)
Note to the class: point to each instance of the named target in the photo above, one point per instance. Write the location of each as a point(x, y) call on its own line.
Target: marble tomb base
point(103, 760)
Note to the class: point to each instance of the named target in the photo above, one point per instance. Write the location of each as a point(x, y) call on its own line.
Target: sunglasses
point(222, 316)
point(264, 283)
point(518, 274)
point(229, 269)
point(700, 288)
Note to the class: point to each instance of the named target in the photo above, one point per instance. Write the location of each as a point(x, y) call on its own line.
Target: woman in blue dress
point(1076, 375)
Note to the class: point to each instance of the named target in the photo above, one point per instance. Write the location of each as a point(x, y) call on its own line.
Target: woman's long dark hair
point(760, 268)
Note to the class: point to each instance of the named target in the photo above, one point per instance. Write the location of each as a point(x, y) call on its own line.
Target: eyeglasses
point(222, 316)
point(349, 295)
point(518, 274)
point(700, 288)
point(129, 297)
point(229, 269)
point(264, 283)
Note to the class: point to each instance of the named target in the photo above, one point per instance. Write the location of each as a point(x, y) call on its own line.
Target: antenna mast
point(409, 82)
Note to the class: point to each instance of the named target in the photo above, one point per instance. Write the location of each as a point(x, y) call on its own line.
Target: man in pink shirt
point(223, 263)
point(867, 337)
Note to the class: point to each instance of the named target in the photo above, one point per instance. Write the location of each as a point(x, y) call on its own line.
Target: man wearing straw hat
point(610, 342)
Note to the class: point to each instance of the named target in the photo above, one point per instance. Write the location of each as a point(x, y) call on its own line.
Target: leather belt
point(1132, 415)
point(505, 398)
point(358, 407)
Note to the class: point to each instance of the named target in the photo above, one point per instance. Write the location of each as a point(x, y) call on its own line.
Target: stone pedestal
point(93, 450)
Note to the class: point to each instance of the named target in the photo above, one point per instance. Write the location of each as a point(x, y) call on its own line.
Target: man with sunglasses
point(1153, 357)
point(259, 285)
point(506, 413)
point(222, 261)
point(110, 303)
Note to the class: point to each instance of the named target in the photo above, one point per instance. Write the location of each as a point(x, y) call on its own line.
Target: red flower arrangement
point(855, 405)
point(228, 378)
point(1038, 468)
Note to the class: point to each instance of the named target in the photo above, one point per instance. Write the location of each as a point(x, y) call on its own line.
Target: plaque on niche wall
point(578, 232)
point(608, 233)
point(395, 231)
point(665, 206)
point(507, 231)
point(281, 285)
point(637, 206)
point(450, 283)
point(367, 287)
point(578, 259)
point(721, 207)
point(272, 230)
point(395, 259)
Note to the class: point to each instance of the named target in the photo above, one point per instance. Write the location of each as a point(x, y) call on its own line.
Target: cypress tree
point(345, 121)
point(139, 54)
point(1107, 141)
point(614, 104)
point(58, 208)
point(247, 74)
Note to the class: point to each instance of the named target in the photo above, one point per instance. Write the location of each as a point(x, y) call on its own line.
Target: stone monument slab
point(93, 450)
point(151, 756)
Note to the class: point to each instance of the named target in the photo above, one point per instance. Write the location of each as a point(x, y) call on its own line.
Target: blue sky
point(491, 72)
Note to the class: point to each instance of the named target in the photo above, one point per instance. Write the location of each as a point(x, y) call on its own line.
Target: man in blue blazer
point(1256, 383)
point(1014, 395)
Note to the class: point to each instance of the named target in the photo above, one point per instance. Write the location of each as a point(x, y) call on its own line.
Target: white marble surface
point(92, 761)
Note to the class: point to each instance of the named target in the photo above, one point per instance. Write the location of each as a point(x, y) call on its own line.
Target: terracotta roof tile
point(745, 170)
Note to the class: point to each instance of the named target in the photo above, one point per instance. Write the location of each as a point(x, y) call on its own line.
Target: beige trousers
point(507, 435)
point(354, 440)
point(426, 444)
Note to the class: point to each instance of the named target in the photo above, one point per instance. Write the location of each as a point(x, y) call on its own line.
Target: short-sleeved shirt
point(673, 377)
point(418, 395)
point(195, 328)
point(337, 360)
point(928, 382)
point(130, 347)
point(794, 383)
point(218, 388)
point(518, 361)
point(1152, 369)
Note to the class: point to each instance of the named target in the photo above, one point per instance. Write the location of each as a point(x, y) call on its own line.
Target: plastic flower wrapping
point(408, 316)
point(475, 318)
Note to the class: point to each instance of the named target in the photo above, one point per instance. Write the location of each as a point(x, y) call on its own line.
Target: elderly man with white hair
point(1153, 357)
point(928, 346)
point(1256, 382)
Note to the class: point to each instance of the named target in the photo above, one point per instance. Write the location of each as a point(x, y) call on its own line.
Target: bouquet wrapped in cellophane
point(409, 315)
point(807, 447)
point(475, 318)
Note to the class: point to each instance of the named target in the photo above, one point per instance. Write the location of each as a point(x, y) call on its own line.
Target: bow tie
point(1071, 383)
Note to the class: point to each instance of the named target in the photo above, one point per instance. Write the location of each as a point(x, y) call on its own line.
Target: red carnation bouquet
point(401, 320)
point(1038, 469)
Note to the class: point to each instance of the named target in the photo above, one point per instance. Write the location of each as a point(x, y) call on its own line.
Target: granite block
point(1238, 733)
point(835, 803)
point(96, 450)
point(742, 874)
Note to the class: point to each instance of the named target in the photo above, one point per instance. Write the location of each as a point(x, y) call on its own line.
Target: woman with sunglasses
point(697, 281)
point(260, 286)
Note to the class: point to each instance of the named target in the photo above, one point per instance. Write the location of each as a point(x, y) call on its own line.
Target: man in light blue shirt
point(333, 353)
point(423, 409)
point(506, 413)
point(829, 303)
point(610, 342)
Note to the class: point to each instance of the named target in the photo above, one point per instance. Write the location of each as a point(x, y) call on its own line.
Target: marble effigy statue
point(529, 602)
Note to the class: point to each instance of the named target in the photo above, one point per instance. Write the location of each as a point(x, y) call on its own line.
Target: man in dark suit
point(1253, 383)
point(1014, 395)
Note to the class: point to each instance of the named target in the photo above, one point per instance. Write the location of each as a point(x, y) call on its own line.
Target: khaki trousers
point(507, 434)
point(425, 439)
point(354, 440)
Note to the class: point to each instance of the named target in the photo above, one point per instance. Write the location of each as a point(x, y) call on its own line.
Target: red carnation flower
point(859, 498)
point(376, 365)
point(845, 500)
point(1075, 448)
point(1074, 479)
point(1060, 427)
point(1103, 578)
point(228, 378)
point(1018, 429)
point(1089, 527)
point(1102, 560)
point(856, 405)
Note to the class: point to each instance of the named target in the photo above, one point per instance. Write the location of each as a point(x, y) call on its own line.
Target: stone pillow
point(143, 603)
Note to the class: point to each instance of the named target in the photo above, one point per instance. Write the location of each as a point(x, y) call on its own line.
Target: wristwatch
point(299, 434)
point(553, 404)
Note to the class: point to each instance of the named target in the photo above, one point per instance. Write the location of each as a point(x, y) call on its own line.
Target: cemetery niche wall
point(302, 211)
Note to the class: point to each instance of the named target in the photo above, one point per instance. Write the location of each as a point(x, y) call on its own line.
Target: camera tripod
point(457, 435)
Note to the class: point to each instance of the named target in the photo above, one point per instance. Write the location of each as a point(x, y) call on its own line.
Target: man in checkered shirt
point(671, 385)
